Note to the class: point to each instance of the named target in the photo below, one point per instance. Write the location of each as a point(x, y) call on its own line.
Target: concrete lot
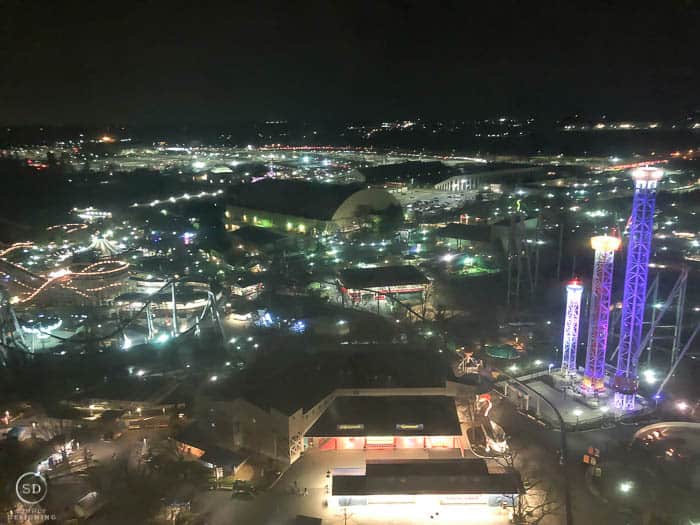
point(567, 406)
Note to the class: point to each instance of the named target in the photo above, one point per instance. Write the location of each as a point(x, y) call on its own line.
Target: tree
point(15, 458)
point(536, 499)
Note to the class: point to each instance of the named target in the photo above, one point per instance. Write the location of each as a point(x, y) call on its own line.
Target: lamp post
point(625, 486)
point(577, 413)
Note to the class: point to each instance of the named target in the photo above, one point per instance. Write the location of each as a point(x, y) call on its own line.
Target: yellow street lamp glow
point(605, 243)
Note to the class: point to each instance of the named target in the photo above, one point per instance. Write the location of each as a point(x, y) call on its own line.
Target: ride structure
point(574, 291)
point(605, 247)
point(636, 274)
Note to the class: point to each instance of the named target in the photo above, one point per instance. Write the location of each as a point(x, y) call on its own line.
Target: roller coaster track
point(61, 278)
point(15, 246)
point(119, 329)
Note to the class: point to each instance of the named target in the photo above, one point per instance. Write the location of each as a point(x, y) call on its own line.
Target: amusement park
point(538, 332)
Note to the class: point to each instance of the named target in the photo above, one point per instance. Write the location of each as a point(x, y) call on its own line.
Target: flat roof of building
point(416, 171)
point(388, 416)
point(195, 436)
point(447, 476)
point(382, 276)
point(304, 375)
point(469, 232)
point(254, 234)
point(294, 198)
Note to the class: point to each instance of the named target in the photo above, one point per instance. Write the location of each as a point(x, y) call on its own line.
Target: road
point(538, 458)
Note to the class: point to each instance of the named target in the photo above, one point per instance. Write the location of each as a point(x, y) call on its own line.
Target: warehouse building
point(428, 484)
point(387, 422)
point(374, 284)
point(493, 179)
point(307, 208)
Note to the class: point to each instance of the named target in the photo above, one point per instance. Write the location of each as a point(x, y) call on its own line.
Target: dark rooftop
point(296, 198)
point(388, 416)
point(221, 457)
point(450, 476)
point(428, 172)
point(301, 376)
point(382, 276)
point(195, 436)
point(257, 235)
point(469, 232)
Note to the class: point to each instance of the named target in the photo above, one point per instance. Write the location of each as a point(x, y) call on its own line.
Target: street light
point(626, 486)
point(649, 376)
point(682, 406)
point(578, 414)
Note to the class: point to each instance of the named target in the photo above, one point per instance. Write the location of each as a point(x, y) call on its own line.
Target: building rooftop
point(382, 276)
point(428, 172)
point(295, 198)
point(221, 457)
point(469, 232)
point(253, 234)
point(194, 435)
point(388, 416)
point(304, 376)
point(451, 476)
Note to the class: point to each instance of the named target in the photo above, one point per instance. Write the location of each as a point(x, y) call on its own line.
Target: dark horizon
point(156, 63)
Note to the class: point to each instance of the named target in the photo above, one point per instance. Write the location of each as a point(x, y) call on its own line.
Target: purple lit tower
point(605, 247)
point(574, 290)
point(636, 273)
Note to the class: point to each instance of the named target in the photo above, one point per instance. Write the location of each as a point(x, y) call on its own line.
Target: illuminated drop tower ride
point(634, 295)
point(574, 291)
point(605, 247)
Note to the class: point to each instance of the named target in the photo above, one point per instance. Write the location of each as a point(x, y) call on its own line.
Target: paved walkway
point(567, 406)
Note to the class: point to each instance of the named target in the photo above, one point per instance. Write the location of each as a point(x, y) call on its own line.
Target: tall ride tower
point(605, 247)
point(634, 295)
point(574, 291)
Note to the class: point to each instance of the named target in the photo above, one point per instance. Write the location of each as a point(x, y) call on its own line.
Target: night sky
point(64, 62)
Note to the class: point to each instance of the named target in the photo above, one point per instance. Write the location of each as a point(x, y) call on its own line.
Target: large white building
point(485, 180)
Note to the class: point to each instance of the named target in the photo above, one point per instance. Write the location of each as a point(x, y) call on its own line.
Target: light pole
point(577, 413)
point(625, 486)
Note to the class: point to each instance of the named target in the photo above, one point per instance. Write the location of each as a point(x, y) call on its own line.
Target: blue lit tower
point(605, 247)
point(634, 295)
point(574, 290)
